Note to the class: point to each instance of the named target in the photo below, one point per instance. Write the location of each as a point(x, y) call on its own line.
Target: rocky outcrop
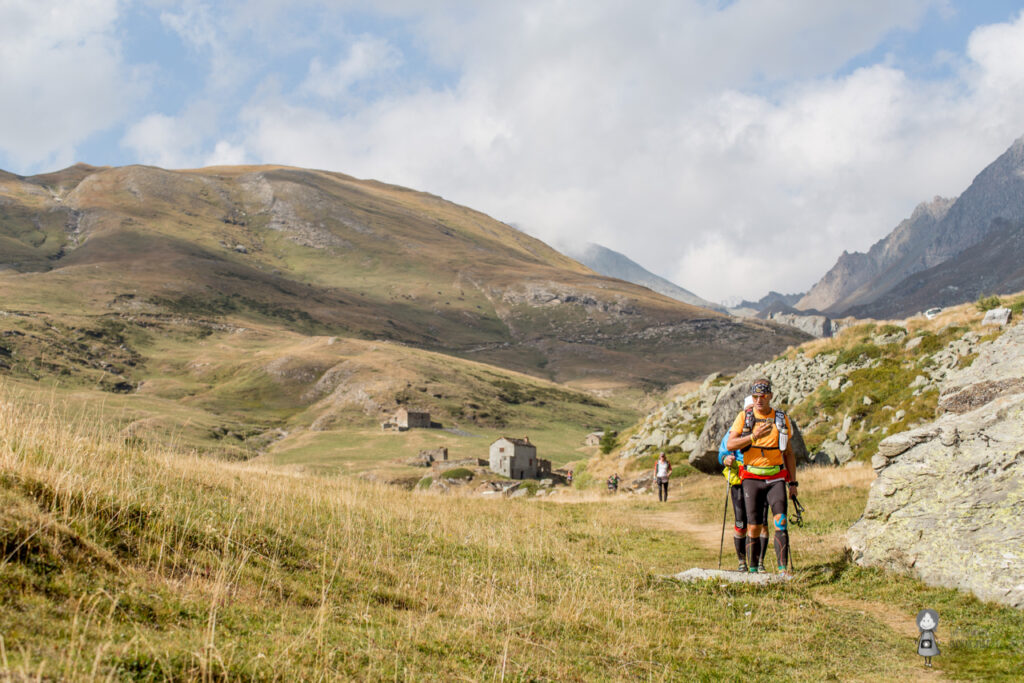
point(675, 425)
point(792, 381)
point(945, 503)
point(817, 326)
point(853, 277)
point(910, 266)
point(695, 423)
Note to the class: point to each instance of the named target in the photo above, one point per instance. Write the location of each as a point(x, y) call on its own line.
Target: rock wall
point(696, 422)
point(945, 505)
point(792, 381)
point(817, 326)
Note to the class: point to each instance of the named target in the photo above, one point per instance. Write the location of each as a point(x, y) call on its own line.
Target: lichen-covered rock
point(836, 452)
point(792, 381)
point(945, 503)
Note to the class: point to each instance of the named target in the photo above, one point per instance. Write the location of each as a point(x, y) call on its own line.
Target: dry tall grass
point(121, 562)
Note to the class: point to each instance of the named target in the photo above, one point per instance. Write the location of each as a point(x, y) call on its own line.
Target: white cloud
point(62, 77)
point(655, 132)
point(696, 138)
point(174, 141)
point(367, 58)
point(227, 154)
point(159, 140)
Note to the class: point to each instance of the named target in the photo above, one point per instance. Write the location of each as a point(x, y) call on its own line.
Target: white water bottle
point(783, 434)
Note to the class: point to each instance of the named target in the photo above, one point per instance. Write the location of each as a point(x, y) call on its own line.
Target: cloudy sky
point(731, 146)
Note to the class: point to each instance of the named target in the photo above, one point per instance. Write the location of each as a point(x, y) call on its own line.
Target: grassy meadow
point(126, 561)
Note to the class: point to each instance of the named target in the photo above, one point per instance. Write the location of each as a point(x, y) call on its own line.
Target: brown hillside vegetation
point(127, 562)
point(320, 252)
point(245, 310)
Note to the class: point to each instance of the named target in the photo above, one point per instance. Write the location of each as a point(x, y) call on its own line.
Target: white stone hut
point(516, 459)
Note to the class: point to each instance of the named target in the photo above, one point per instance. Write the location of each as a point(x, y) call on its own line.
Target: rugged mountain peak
point(935, 232)
point(609, 262)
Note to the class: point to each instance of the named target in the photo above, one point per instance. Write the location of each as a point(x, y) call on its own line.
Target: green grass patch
point(858, 352)
point(987, 303)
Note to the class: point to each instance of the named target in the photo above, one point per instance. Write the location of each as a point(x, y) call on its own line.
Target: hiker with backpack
point(761, 433)
point(732, 461)
point(662, 471)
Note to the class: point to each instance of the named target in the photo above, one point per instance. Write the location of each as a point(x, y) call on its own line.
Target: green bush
point(645, 462)
point(582, 479)
point(609, 441)
point(987, 303)
point(529, 485)
point(931, 343)
point(424, 483)
point(458, 473)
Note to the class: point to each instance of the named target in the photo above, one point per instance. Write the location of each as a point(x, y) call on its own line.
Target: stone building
point(410, 419)
point(517, 459)
point(593, 439)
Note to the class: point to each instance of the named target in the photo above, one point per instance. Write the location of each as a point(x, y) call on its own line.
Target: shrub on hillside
point(609, 441)
point(581, 478)
point(458, 473)
point(987, 303)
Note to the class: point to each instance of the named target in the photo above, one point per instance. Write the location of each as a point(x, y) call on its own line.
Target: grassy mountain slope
point(128, 562)
point(323, 253)
point(267, 302)
point(240, 391)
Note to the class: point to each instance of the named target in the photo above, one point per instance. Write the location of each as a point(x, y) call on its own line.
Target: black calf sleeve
point(751, 552)
point(782, 547)
point(741, 547)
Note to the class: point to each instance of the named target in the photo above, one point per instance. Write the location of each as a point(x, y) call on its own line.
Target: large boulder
point(944, 505)
point(729, 403)
point(817, 326)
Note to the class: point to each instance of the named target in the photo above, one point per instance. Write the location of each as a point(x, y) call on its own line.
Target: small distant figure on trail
point(927, 645)
point(732, 461)
point(613, 483)
point(662, 470)
point(761, 433)
point(568, 478)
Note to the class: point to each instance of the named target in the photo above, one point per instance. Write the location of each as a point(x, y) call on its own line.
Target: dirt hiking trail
point(680, 517)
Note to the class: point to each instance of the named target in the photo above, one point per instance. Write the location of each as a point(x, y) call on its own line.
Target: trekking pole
point(725, 511)
point(798, 520)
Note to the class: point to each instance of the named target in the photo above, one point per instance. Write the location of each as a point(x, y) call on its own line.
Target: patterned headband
point(761, 388)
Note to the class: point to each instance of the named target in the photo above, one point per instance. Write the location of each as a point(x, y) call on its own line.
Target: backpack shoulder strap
point(748, 421)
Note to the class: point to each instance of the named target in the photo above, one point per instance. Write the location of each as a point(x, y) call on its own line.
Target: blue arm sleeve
point(723, 451)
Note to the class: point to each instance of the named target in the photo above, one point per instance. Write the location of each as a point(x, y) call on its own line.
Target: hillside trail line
point(683, 517)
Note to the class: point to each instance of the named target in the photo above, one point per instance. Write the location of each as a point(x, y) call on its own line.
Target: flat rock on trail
point(697, 574)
